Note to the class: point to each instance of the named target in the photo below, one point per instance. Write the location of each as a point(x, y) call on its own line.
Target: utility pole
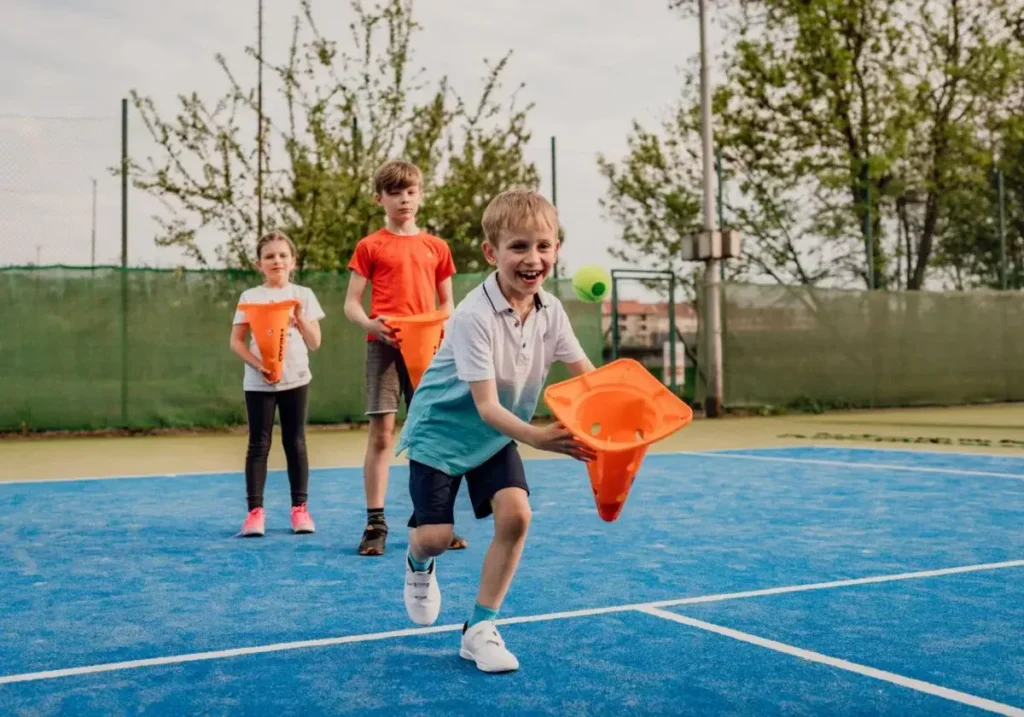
point(1001, 192)
point(554, 187)
point(710, 246)
point(259, 120)
point(92, 253)
point(713, 272)
point(869, 242)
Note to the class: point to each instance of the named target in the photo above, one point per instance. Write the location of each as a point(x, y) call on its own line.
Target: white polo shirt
point(295, 371)
point(484, 338)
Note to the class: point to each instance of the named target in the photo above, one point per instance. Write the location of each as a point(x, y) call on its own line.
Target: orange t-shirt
point(404, 271)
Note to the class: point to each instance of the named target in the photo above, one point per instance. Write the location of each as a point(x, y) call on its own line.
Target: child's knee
point(259, 447)
point(434, 539)
point(295, 444)
point(512, 518)
point(382, 432)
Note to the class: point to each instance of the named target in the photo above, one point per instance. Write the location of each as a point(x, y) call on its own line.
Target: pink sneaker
point(254, 523)
point(301, 520)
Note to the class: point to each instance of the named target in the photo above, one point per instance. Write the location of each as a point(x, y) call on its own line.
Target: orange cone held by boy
point(419, 337)
point(269, 326)
point(619, 410)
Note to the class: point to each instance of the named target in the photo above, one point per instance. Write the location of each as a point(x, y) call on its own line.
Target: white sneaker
point(483, 645)
point(422, 595)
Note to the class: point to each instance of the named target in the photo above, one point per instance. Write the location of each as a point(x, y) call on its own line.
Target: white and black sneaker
point(483, 645)
point(422, 595)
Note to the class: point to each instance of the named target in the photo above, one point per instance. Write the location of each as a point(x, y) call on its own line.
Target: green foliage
point(348, 109)
point(650, 196)
point(822, 101)
point(970, 255)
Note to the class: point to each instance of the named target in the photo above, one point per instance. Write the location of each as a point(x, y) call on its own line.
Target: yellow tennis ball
point(592, 282)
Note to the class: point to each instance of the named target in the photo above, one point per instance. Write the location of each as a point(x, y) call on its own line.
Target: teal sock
point(420, 566)
point(481, 613)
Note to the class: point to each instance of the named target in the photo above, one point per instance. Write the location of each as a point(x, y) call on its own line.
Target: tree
point(971, 255)
point(834, 111)
point(347, 111)
point(650, 197)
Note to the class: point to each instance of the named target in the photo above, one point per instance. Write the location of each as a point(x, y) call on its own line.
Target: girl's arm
point(309, 328)
point(238, 345)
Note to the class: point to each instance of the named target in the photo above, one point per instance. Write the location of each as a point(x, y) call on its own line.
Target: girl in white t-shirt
point(290, 395)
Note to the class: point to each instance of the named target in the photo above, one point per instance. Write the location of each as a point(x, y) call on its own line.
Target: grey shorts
point(387, 380)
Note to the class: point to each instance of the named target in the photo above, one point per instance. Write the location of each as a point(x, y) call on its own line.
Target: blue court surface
point(796, 581)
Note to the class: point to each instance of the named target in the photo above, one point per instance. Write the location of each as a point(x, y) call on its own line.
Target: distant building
point(646, 324)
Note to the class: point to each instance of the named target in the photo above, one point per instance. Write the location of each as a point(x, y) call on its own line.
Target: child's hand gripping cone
point(269, 325)
point(619, 410)
point(419, 337)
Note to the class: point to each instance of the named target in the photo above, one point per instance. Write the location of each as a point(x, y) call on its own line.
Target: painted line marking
point(894, 448)
point(908, 682)
point(411, 632)
point(727, 453)
point(864, 466)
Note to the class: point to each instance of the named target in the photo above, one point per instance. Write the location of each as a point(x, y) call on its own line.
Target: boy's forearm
point(445, 298)
point(355, 313)
point(577, 368)
point(504, 421)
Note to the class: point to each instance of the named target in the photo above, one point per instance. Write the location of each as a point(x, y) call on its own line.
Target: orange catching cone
point(269, 326)
point(619, 410)
point(419, 337)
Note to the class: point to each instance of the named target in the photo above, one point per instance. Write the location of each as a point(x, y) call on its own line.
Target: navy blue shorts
point(433, 492)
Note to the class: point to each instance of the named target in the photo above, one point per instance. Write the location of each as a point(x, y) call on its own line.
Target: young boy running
point(407, 269)
point(472, 407)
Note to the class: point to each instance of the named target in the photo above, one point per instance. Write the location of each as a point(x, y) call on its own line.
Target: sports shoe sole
point(466, 655)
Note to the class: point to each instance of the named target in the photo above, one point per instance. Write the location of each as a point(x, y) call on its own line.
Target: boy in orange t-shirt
point(409, 270)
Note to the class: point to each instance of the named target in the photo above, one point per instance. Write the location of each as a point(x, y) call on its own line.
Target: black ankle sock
point(375, 515)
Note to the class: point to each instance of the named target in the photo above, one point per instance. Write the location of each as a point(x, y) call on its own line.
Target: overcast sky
point(591, 68)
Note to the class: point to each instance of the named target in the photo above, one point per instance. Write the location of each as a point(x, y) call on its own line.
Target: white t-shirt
point(295, 371)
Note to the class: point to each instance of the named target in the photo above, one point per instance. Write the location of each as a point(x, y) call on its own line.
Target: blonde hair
point(396, 175)
point(516, 209)
point(275, 236)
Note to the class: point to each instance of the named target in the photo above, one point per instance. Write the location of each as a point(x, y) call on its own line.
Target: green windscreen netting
point(106, 348)
point(784, 345)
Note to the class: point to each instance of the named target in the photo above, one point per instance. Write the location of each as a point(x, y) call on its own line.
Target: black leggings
point(260, 406)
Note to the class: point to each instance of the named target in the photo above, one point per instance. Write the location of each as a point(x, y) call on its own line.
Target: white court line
point(881, 447)
point(894, 448)
point(324, 642)
point(842, 583)
point(146, 476)
point(724, 453)
point(909, 682)
point(870, 466)
point(220, 654)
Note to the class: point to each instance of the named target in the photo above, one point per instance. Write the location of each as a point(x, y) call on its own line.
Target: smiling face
point(521, 230)
point(524, 259)
point(276, 260)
